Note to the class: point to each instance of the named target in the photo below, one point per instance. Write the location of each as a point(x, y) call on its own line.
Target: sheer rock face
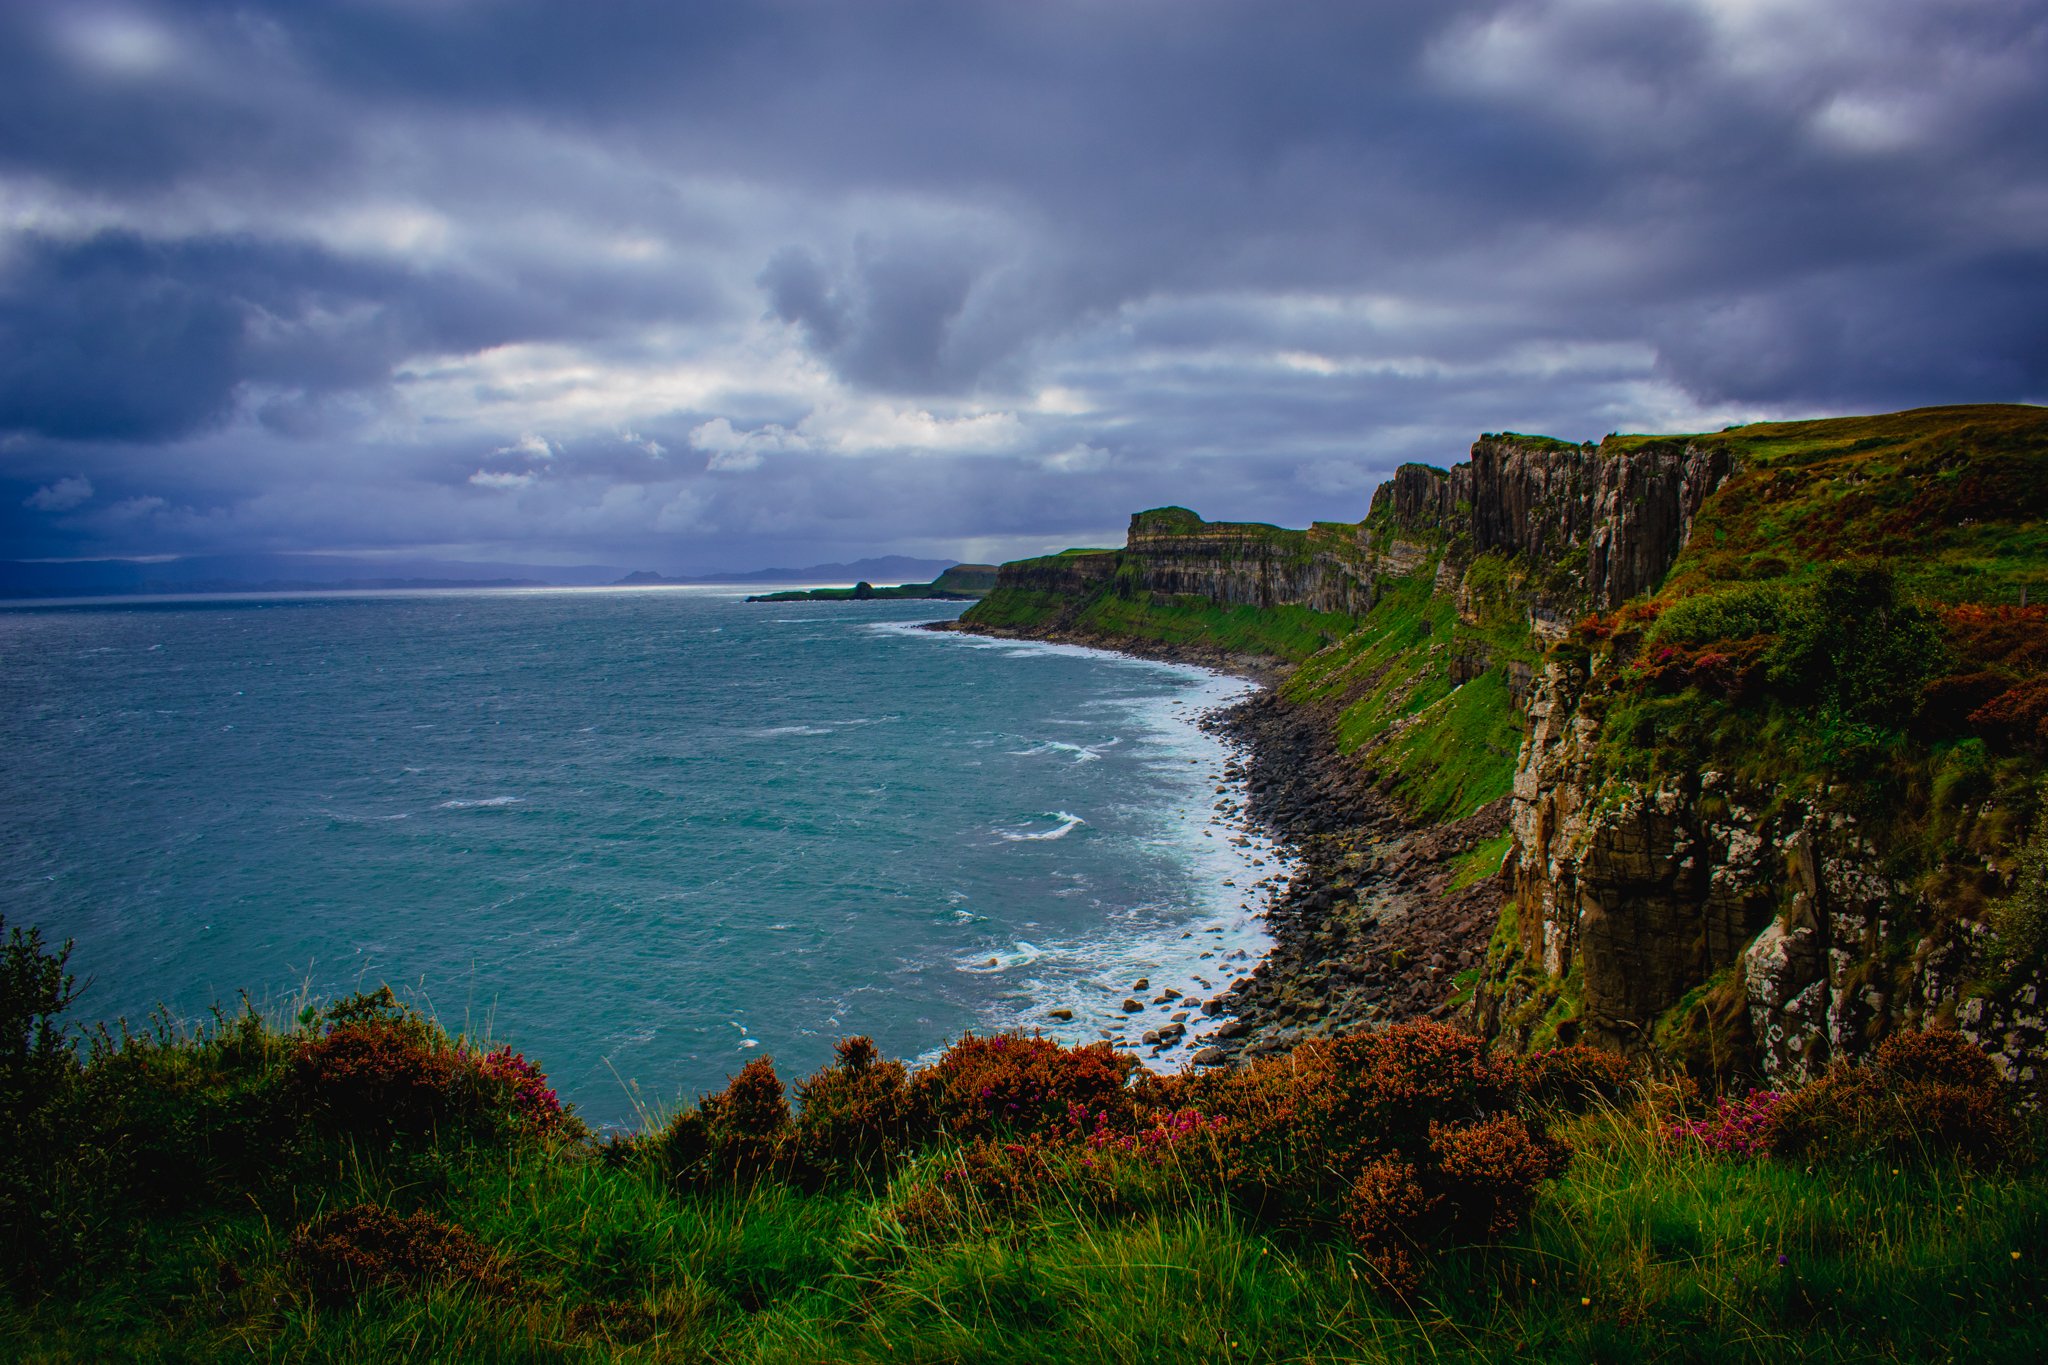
point(1612, 520)
point(1600, 525)
point(1650, 894)
point(1248, 564)
point(1170, 552)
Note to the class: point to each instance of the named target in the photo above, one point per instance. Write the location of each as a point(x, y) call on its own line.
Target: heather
point(355, 1183)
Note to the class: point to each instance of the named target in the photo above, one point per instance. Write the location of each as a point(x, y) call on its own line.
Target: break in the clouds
point(691, 286)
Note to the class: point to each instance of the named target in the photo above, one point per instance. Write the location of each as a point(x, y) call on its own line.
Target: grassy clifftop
point(356, 1185)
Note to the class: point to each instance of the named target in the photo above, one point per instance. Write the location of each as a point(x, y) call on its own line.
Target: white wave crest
point(1082, 753)
point(1068, 824)
point(480, 805)
point(1021, 955)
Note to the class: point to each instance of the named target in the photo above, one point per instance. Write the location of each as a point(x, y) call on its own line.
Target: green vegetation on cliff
point(1421, 692)
point(1222, 587)
point(1788, 674)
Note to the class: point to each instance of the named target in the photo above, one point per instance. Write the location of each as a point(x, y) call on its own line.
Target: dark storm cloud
point(121, 336)
point(707, 281)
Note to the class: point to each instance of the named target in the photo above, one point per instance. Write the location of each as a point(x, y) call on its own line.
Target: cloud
point(733, 451)
point(60, 496)
point(981, 275)
point(528, 446)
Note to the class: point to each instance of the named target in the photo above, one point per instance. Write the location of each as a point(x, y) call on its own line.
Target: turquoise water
point(642, 835)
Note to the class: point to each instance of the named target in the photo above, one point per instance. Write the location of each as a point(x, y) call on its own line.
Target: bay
point(641, 835)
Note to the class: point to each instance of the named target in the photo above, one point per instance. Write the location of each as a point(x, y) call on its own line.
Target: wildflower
point(1585, 1301)
point(1781, 1258)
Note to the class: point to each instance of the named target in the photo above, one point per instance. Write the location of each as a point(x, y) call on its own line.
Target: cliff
point(1748, 722)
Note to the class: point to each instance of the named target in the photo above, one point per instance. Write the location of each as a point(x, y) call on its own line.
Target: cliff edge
point(1720, 747)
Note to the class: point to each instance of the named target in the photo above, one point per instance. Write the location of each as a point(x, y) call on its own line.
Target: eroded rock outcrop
point(1722, 927)
point(1602, 523)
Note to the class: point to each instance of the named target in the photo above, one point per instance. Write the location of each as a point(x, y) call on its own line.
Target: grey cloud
point(1264, 248)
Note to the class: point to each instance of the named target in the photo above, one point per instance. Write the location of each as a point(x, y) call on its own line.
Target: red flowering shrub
point(1486, 1173)
point(853, 1116)
point(1576, 1076)
point(2019, 714)
point(1385, 1210)
point(382, 1069)
point(1923, 1095)
point(1736, 1128)
point(1936, 1056)
point(533, 1100)
point(387, 1076)
point(1012, 1085)
point(347, 1253)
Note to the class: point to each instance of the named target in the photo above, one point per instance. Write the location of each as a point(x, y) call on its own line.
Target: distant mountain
point(343, 573)
point(889, 568)
point(279, 573)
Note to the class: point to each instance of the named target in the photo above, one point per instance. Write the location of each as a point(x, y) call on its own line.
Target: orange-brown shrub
point(2018, 714)
point(1926, 1095)
point(1385, 1210)
point(740, 1133)
point(346, 1253)
point(1576, 1076)
point(1487, 1173)
point(853, 1116)
point(1012, 1085)
point(388, 1076)
point(1408, 1135)
point(381, 1069)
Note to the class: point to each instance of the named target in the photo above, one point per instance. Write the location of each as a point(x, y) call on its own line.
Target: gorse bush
point(1413, 1138)
point(1010, 1086)
point(342, 1255)
point(165, 1123)
point(1923, 1096)
point(378, 1069)
point(742, 1133)
point(854, 1117)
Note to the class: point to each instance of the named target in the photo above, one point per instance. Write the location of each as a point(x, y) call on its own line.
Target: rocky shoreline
point(1368, 929)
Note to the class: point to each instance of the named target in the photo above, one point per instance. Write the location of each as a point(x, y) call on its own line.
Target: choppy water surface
point(642, 835)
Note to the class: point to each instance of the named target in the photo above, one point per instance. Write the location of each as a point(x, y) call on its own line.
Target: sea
point(641, 835)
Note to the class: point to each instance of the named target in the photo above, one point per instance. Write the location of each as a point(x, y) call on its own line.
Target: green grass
point(1286, 632)
point(1481, 861)
point(1445, 748)
point(1641, 1251)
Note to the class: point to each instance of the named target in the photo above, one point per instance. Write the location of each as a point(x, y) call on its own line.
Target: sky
point(693, 286)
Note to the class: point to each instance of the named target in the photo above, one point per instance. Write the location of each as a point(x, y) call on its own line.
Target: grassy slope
point(1445, 748)
point(1642, 1250)
point(1958, 497)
